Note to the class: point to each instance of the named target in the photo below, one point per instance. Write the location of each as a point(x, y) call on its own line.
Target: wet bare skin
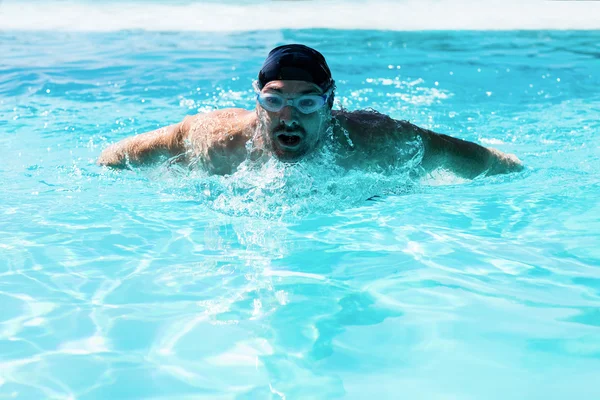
point(219, 141)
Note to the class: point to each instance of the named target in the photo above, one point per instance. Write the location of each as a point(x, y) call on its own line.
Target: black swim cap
point(295, 62)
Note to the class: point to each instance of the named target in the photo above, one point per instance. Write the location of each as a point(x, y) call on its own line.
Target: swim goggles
point(306, 103)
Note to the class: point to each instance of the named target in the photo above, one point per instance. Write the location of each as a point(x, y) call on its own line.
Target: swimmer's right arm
point(146, 147)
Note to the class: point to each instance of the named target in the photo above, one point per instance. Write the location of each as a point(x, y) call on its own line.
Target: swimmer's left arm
point(464, 158)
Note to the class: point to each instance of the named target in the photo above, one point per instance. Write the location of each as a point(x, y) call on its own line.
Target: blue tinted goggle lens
point(306, 104)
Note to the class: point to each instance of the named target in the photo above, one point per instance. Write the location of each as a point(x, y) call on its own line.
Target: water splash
point(278, 190)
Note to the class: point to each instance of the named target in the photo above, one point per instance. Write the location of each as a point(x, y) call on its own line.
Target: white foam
point(73, 15)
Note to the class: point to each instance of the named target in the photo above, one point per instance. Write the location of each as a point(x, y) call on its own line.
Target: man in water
point(293, 118)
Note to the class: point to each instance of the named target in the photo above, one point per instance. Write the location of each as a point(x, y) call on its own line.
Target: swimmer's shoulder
point(233, 124)
point(368, 120)
point(369, 128)
point(218, 138)
point(229, 120)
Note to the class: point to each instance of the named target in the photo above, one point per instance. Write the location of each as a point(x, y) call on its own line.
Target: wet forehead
point(300, 87)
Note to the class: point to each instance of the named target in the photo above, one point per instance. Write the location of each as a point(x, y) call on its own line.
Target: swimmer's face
point(290, 133)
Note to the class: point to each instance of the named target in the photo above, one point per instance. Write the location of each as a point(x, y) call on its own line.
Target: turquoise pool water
point(284, 281)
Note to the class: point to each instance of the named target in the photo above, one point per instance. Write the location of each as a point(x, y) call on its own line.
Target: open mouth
point(289, 140)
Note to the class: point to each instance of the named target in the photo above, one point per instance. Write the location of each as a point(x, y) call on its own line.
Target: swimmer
point(293, 118)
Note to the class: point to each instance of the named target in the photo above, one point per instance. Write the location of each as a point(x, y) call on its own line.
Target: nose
point(288, 116)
